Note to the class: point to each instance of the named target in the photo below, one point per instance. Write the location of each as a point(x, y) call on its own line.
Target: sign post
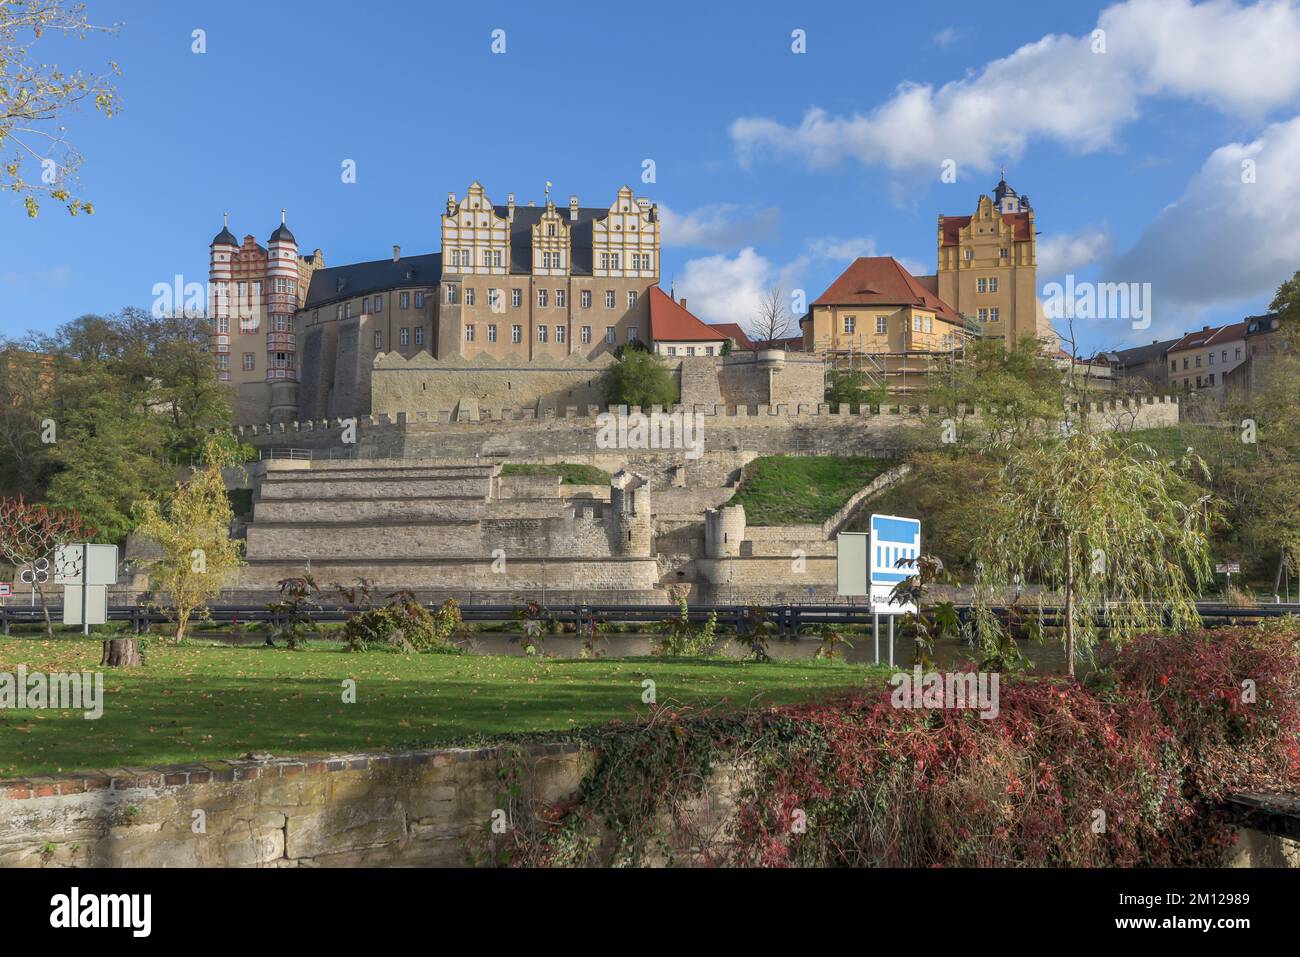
point(1229, 569)
point(869, 564)
point(85, 571)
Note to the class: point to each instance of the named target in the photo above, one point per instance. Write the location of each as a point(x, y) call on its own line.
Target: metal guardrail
point(787, 618)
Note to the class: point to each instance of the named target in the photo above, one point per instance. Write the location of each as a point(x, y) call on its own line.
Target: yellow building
point(988, 268)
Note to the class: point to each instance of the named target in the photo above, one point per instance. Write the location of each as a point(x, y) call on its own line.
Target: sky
point(1158, 140)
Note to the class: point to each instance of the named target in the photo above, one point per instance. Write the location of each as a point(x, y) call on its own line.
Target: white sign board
point(1228, 568)
point(6, 589)
point(851, 563)
point(96, 605)
point(893, 539)
point(100, 559)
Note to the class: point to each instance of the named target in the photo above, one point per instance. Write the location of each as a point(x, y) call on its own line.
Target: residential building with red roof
point(740, 341)
point(877, 306)
point(674, 331)
point(1201, 359)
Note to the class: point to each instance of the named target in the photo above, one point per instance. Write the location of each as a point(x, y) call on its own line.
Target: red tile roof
point(882, 281)
point(951, 225)
point(670, 322)
point(732, 331)
point(1211, 336)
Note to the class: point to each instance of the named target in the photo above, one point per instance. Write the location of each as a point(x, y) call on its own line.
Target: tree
point(32, 533)
point(24, 384)
point(1100, 525)
point(771, 322)
point(851, 387)
point(35, 97)
point(1017, 392)
point(639, 378)
point(192, 529)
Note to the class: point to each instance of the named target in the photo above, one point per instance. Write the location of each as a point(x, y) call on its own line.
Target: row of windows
point(492, 259)
point(986, 285)
point(1003, 253)
point(919, 324)
point(1173, 363)
point(690, 351)
point(465, 257)
point(990, 315)
point(543, 297)
point(1199, 384)
point(403, 335)
point(344, 309)
point(517, 333)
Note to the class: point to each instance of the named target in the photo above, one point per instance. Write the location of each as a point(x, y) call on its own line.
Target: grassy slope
point(802, 490)
point(570, 473)
point(198, 703)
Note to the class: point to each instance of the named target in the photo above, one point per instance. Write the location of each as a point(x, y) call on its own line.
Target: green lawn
point(571, 473)
point(200, 703)
point(802, 490)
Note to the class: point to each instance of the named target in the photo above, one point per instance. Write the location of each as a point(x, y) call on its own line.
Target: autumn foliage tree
point(192, 529)
point(31, 533)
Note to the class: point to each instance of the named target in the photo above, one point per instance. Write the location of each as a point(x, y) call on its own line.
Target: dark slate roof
point(360, 279)
point(225, 236)
point(521, 235)
point(1140, 355)
point(282, 234)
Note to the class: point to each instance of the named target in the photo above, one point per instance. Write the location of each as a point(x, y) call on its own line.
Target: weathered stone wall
point(429, 807)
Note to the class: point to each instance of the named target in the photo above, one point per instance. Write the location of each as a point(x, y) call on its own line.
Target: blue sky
point(772, 166)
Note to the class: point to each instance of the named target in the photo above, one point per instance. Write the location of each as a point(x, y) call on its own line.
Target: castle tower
point(221, 255)
point(724, 530)
point(281, 339)
point(988, 265)
point(630, 525)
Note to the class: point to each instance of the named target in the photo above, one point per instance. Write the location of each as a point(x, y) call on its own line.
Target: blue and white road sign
point(893, 539)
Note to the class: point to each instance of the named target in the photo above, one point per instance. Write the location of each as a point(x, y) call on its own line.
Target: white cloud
point(1058, 89)
point(1224, 240)
point(1070, 252)
point(719, 225)
point(724, 288)
point(945, 38)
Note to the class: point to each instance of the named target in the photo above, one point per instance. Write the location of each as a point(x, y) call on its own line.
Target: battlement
point(740, 415)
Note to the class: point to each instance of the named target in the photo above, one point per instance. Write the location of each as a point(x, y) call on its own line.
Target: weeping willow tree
point(1107, 528)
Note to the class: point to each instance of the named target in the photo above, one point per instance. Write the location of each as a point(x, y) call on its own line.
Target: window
point(492, 257)
point(613, 260)
point(405, 300)
point(1173, 366)
point(469, 296)
point(379, 341)
point(541, 333)
point(609, 334)
point(559, 333)
point(469, 332)
point(250, 362)
point(586, 298)
point(586, 335)
point(541, 297)
point(708, 350)
point(993, 284)
point(1211, 378)
point(1198, 362)
point(451, 294)
point(379, 303)
point(609, 298)
point(970, 254)
point(492, 332)
point(1004, 253)
point(405, 336)
point(1211, 358)
point(632, 334)
point(516, 333)
point(983, 315)
point(994, 315)
point(882, 325)
point(631, 299)
point(1184, 364)
point(419, 335)
point(223, 361)
point(494, 300)
point(690, 350)
point(1225, 355)
point(981, 285)
point(223, 325)
point(561, 299)
point(516, 297)
point(338, 312)
point(850, 324)
point(672, 350)
point(917, 323)
point(419, 300)
point(347, 310)
point(550, 229)
point(365, 306)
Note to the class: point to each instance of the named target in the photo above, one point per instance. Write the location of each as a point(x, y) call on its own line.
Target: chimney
point(1205, 328)
point(573, 208)
point(510, 207)
point(397, 253)
point(683, 302)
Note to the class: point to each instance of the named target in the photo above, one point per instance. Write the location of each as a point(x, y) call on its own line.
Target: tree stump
point(121, 653)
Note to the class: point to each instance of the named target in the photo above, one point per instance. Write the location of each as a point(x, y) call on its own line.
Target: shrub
point(405, 622)
point(1127, 771)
